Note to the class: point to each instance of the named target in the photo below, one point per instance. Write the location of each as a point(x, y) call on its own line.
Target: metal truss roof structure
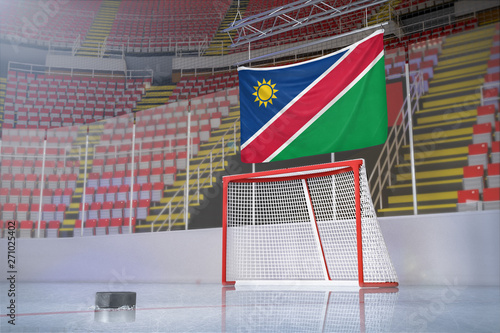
point(292, 16)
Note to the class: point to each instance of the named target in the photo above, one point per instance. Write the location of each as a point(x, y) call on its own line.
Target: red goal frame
point(342, 166)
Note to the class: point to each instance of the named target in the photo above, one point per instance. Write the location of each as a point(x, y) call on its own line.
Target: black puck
point(115, 299)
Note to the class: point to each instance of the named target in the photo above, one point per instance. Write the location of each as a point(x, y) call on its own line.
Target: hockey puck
point(115, 299)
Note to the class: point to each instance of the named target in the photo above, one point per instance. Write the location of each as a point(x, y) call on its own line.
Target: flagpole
point(186, 188)
point(253, 197)
point(410, 135)
point(332, 159)
point(253, 164)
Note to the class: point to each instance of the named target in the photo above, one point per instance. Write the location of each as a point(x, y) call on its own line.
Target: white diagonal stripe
point(320, 113)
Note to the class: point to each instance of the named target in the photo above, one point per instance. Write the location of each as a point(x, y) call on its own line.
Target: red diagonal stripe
point(313, 101)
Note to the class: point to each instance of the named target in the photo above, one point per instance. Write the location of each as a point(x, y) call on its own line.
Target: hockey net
point(304, 225)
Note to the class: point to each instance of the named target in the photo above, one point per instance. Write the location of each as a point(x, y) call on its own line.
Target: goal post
point(306, 225)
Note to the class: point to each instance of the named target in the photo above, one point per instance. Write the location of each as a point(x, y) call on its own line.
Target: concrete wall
point(161, 66)
point(104, 64)
point(458, 248)
point(11, 51)
point(465, 7)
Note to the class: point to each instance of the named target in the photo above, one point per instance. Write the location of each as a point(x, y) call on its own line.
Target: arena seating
point(160, 156)
point(45, 101)
point(159, 26)
point(436, 34)
point(29, 21)
point(21, 168)
point(459, 150)
point(35, 102)
point(191, 87)
point(484, 153)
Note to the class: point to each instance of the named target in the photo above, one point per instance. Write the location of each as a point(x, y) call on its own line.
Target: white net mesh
point(377, 265)
point(270, 233)
point(298, 226)
point(334, 207)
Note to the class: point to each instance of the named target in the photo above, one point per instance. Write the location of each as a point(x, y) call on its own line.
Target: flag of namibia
point(329, 104)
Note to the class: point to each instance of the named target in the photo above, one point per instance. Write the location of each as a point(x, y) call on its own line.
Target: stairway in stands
point(155, 96)
point(100, 29)
point(384, 12)
point(72, 212)
point(220, 42)
point(443, 128)
point(202, 161)
point(3, 87)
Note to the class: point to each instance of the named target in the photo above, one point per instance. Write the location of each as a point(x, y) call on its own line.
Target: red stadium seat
point(478, 154)
point(473, 178)
point(491, 198)
point(53, 229)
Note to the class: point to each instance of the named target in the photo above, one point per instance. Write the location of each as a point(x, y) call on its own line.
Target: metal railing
point(381, 175)
point(198, 184)
point(77, 72)
point(163, 17)
point(76, 45)
point(220, 48)
point(141, 150)
point(338, 26)
point(432, 23)
point(416, 5)
point(175, 44)
point(102, 48)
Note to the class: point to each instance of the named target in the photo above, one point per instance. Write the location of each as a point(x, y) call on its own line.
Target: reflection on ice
point(276, 310)
point(70, 307)
point(114, 315)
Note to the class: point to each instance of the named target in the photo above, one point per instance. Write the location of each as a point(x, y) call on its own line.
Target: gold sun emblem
point(264, 92)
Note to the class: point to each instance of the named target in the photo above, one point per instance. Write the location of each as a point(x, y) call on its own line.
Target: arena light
point(281, 19)
point(316, 42)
